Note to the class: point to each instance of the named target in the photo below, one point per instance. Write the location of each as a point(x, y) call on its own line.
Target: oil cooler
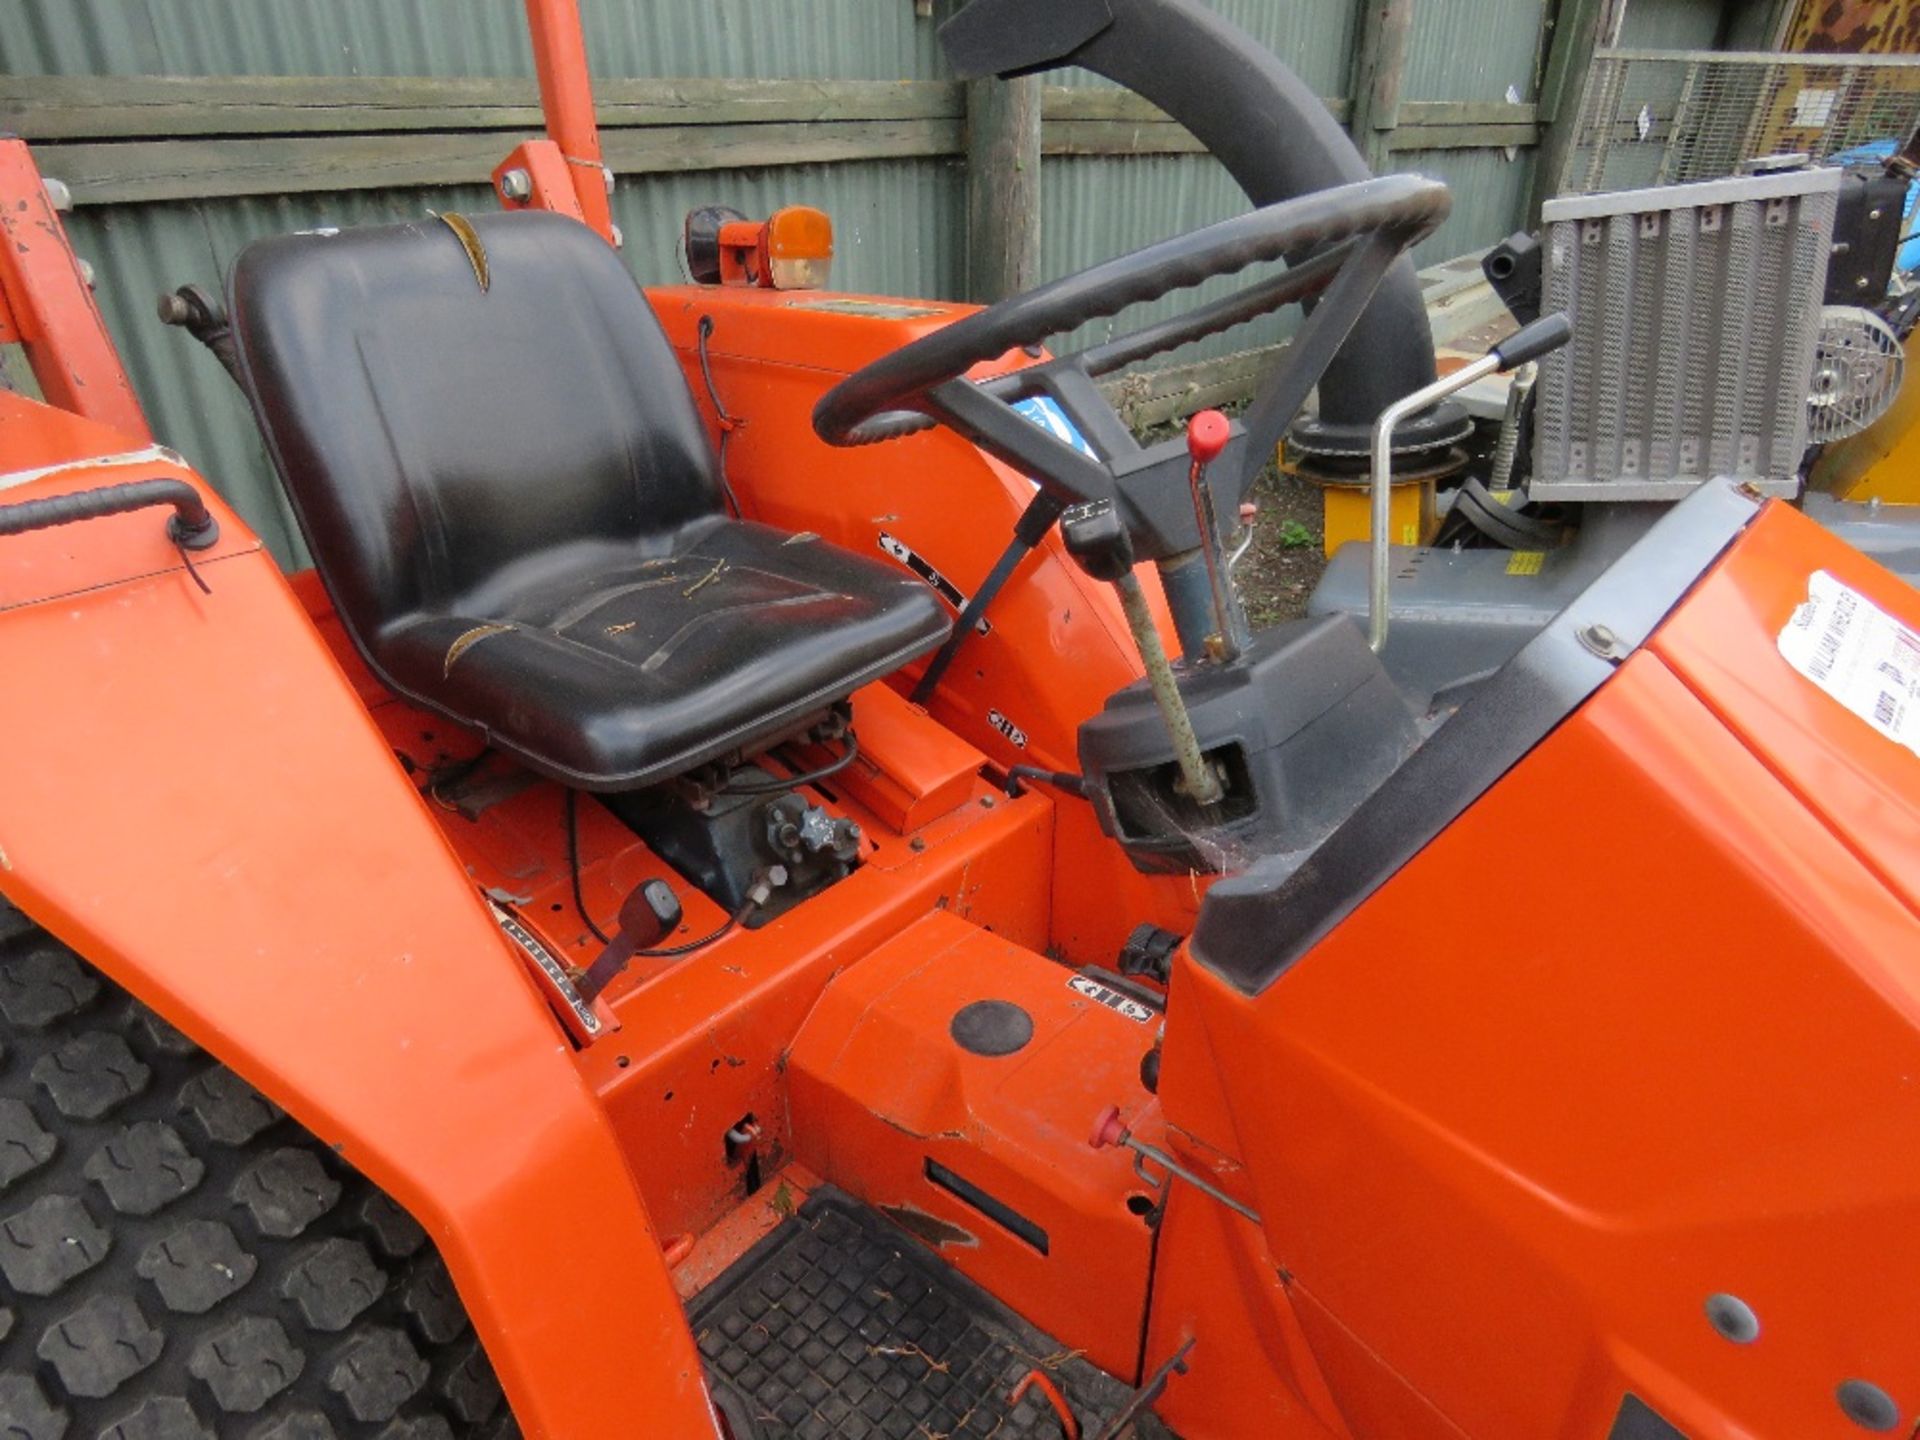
point(1695, 310)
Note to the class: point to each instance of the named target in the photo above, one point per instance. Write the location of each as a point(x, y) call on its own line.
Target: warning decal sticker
point(1007, 728)
point(1120, 1004)
point(1858, 654)
point(918, 564)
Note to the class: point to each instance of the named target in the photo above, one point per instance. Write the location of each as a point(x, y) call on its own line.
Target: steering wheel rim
point(890, 396)
point(1351, 235)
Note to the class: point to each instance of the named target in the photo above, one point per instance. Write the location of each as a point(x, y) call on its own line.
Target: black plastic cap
point(650, 912)
point(1530, 342)
point(1097, 538)
point(702, 241)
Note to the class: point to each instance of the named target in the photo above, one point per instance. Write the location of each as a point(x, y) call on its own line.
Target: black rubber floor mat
point(838, 1327)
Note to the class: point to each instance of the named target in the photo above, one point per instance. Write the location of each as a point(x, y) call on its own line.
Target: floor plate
point(837, 1325)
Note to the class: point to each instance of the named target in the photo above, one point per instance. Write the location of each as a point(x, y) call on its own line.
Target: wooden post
point(1579, 28)
point(1003, 187)
point(1379, 76)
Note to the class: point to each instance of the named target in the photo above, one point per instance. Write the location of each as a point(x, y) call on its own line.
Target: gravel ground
point(1278, 574)
point(1284, 565)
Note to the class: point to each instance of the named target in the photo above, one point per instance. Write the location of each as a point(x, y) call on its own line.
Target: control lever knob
point(1097, 539)
point(649, 914)
point(1530, 342)
point(1207, 434)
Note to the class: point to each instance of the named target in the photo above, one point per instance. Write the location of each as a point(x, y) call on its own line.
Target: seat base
point(612, 669)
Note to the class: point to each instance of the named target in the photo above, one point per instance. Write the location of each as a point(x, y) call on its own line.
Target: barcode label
point(1860, 655)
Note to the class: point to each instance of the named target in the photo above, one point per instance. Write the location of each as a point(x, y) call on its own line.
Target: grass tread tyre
point(179, 1260)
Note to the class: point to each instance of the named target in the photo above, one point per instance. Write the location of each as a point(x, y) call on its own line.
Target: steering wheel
point(1349, 237)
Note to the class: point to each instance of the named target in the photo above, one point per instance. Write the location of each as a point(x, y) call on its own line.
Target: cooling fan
point(1857, 364)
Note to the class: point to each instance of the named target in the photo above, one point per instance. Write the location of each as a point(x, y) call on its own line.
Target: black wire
point(193, 569)
point(728, 422)
point(777, 784)
point(674, 952)
point(573, 866)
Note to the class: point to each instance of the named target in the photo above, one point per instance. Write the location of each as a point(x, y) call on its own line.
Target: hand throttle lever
point(1530, 342)
point(1208, 432)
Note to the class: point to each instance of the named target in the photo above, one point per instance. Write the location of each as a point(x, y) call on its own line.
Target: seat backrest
point(435, 432)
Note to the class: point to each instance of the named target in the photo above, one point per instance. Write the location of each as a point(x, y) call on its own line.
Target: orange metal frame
point(566, 96)
point(1500, 1163)
point(46, 304)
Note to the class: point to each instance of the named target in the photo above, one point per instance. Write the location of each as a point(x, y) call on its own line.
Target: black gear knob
point(1097, 539)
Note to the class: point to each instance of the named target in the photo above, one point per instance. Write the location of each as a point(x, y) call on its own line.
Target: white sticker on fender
point(1858, 654)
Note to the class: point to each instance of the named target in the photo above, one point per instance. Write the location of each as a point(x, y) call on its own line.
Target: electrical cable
point(573, 866)
point(778, 784)
point(674, 952)
point(728, 422)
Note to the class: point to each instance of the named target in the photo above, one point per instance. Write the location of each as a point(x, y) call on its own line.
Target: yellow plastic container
point(1346, 508)
point(1348, 513)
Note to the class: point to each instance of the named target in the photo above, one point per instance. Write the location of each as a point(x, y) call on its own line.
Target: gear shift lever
point(1096, 537)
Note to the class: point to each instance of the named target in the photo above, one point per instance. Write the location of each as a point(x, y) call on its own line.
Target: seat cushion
point(611, 671)
point(433, 430)
point(498, 466)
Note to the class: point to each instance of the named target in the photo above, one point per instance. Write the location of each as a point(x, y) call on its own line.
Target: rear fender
point(192, 797)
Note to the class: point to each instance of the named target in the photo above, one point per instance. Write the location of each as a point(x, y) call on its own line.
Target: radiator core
point(1695, 311)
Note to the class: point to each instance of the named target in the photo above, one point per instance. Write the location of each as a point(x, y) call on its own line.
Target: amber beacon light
point(790, 250)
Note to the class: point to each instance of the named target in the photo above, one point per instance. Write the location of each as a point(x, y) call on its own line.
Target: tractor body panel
point(196, 800)
point(1507, 1161)
point(1055, 644)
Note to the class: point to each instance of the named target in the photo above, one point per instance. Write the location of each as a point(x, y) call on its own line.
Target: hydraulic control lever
point(650, 914)
point(1097, 538)
point(1207, 434)
point(1529, 342)
point(197, 312)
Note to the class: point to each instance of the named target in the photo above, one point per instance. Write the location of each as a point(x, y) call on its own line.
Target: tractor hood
point(1598, 1115)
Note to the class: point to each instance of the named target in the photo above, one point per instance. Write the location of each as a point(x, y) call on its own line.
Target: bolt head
point(58, 195)
point(619, 240)
point(1601, 641)
point(516, 184)
point(86, 273)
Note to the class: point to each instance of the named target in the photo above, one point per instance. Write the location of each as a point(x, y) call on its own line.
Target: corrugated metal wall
point(1459, 50)
point(900, 222)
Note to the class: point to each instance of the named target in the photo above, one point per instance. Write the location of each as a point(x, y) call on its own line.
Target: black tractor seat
point(498, 467)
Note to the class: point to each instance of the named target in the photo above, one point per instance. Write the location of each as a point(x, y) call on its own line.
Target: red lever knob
point(1207, 435)
point(1107, 1129)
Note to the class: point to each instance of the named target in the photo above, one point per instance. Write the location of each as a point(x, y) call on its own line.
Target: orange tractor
point(763, 885)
